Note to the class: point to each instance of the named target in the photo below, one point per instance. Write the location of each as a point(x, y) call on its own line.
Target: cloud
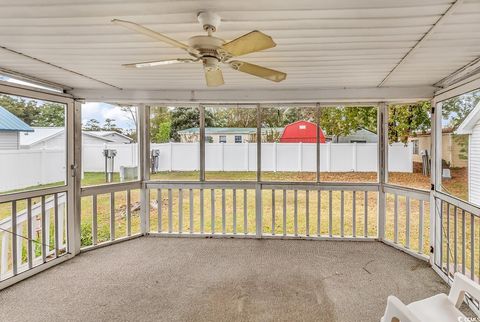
point(102, 111)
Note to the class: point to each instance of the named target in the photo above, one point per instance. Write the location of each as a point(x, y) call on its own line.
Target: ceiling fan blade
point(249, 43)
point(259, 71)
point(153, 34)
point(159, 63)
point(214, 77)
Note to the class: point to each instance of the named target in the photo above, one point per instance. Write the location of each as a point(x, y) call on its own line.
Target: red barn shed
point(301, 131)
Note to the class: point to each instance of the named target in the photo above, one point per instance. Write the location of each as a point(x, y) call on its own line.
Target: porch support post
point(317, 116)
point(201, 110)
point(258, 189)
point(74, 150)
point(436, 182)
point(143, 118)
point(382, 172)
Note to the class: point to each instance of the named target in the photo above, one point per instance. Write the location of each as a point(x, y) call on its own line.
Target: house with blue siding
point(10, 128)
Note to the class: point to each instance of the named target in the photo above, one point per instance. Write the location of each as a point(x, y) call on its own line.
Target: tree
point(342, 121)
point(408, 120)
point(456, 109)
point(110, 125)
point(35, 113)
point(92, 125)
point(187, 117)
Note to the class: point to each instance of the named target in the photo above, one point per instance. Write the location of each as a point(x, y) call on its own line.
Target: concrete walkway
point(181, 279)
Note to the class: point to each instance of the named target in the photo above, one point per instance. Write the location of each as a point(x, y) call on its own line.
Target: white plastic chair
point(437, 308)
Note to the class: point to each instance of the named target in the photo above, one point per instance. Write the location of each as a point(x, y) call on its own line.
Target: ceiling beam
point(313, 95)
point(425, 37)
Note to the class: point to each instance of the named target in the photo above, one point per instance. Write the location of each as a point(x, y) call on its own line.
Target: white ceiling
point(321, 44)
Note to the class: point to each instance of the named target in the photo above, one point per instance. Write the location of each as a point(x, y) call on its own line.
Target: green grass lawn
point(302, 220)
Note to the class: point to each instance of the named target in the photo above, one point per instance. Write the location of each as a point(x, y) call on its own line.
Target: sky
point(102, 111)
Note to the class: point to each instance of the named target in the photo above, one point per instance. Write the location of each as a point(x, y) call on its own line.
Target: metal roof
point(9, 122)
point(328, 44)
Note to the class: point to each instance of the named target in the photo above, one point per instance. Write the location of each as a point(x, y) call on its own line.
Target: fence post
point(300, 156)
point(223, 156)
point(329, 153)
point(355, 154)
point(170, 147)
point(274, 154)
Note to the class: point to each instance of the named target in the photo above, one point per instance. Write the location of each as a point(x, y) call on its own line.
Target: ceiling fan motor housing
point(209, 20)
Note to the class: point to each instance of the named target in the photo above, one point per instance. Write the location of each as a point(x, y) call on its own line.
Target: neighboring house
point(227, 134)
point(451, 149)
point(301, 131)
point(11, 128)
point(112, 136)
point(359, 136)
point(471, 127)
point(54, 138)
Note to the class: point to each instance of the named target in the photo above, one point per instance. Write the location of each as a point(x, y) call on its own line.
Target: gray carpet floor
point(182, 279)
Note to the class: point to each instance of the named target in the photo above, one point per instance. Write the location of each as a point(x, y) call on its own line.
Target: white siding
point(474, 163)
point(8, 140)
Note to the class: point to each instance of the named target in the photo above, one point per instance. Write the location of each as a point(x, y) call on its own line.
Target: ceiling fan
point(211, 51)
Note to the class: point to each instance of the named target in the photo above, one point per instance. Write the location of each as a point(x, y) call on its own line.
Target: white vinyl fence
point(25, 168)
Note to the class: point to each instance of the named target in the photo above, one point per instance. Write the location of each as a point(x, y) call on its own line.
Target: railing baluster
point(448, 240)
point(472, 246)
point(420, 227)
point(455, 236)
point(159, 210)
point(464, 241)
point(284, 212)
point(342, 213)
point(330, 214)
point(94, 220)
point(14, 238)
point(212, 206)
point(295, 212)
point(44, 228)
point(319, 212)
point(180, 211)
point(112, 216)
point(55, 223)
point(129, 212)
point(224, 221)
point(365, 223)
point(307, 213)
point(245, 212)
point(29, 233)
point(170, 211)
point(234, 201)
point(407, 222)
point(354, 214)
point(202, 213)
point(395, 219)
point(441, 225)
point(191, 210)
point(273, 212)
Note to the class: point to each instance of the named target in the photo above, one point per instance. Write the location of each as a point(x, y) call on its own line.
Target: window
point(222, 139)
point(109, 144)
point(409, 129)
point(32, 144)
point(349, 152)
point(238, 139)
point(415, 147)
point(175, 143)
